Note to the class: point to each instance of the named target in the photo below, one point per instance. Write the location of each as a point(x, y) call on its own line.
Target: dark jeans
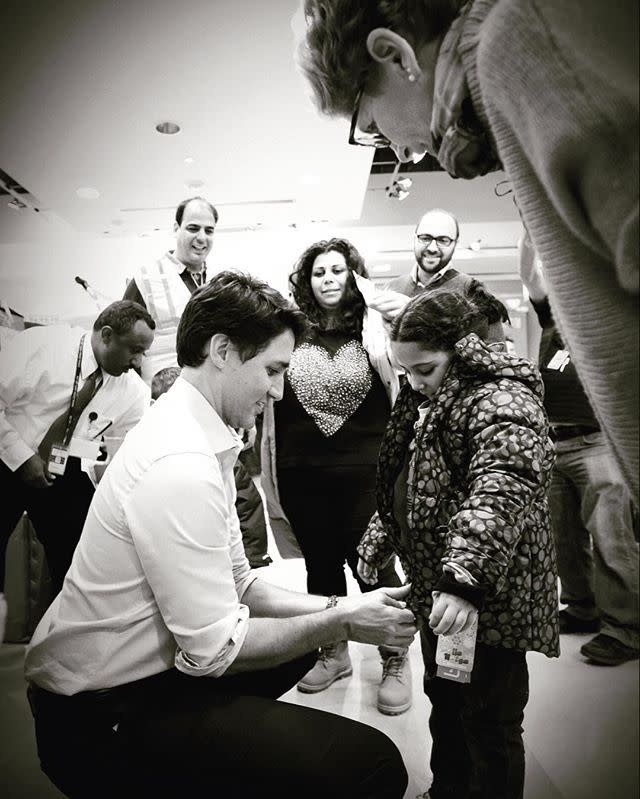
point(477, 750)
point(173, 735)
point(329, 509)
point(57, 513)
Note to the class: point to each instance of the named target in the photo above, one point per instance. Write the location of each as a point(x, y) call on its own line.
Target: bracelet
point(332, 601)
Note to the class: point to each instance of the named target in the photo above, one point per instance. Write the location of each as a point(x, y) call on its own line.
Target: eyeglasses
point(441, 241)
point(364, 138)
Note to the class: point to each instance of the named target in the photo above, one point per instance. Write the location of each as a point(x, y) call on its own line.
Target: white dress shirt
point(159, 573)
point(37, 370)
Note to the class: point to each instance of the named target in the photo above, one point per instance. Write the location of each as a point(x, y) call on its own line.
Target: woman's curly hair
point(439, 320)
point(352, 306)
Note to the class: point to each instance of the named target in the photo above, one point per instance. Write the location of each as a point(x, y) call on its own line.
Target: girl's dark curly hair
point(352, 306)
point(437, 321)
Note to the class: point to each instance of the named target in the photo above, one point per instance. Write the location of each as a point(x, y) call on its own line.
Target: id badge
point(58, 459)
point(455, 654)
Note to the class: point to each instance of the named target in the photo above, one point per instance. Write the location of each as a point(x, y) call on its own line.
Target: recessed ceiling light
point(189, 160)
point(168, 127)
point(87, 193)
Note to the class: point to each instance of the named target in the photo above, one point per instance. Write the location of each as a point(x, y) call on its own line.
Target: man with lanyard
point(61, 389)
point(434, 244)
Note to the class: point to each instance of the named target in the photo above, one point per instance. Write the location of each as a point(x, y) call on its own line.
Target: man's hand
point(33, 473)
point(388, 303)
point(379, 617)
point(450, 613)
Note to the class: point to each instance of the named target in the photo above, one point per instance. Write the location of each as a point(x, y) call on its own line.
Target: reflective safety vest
point(165, 295)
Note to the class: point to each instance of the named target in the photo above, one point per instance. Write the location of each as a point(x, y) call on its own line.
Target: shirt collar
point(89, 364)
point(178, 265)
point(219, 436)
point(432, 279)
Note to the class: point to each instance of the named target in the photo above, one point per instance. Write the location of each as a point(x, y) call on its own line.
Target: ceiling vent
point(18, 198)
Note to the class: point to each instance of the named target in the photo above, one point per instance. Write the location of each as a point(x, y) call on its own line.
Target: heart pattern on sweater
point(330, 388)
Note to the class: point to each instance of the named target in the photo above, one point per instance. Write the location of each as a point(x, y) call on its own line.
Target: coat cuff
point(473, 594)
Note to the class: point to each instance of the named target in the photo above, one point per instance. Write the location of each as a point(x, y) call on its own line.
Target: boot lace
point(392, 666)
point(327, 652)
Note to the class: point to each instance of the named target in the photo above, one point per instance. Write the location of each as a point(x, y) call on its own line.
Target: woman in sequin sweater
point(322, 441)
point(463, 476)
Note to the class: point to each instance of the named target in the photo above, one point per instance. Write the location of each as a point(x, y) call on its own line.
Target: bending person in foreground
point(548, 92)
point(463, 474)
point(156, 670)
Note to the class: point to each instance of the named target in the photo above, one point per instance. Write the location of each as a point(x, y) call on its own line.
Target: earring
point(410, 76)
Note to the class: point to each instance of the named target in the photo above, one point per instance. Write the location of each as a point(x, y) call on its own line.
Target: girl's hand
point(450, 613)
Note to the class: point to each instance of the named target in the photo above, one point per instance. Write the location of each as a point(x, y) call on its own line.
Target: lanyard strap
point(74, 393)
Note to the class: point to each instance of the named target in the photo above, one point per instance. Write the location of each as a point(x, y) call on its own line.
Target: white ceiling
point(83, 84)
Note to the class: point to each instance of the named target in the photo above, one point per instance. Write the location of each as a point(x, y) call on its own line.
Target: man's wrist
point(338, 615)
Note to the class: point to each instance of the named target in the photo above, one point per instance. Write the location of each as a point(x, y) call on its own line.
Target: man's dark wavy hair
point(333, 56)
point(352, 306)
point(247, 310)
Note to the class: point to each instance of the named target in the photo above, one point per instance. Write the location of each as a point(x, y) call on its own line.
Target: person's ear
point(394, 51)
point(106, 334)
point(219, 349)
point(176, 227)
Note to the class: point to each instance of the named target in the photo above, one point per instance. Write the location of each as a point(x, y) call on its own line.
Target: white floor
point(581, 723)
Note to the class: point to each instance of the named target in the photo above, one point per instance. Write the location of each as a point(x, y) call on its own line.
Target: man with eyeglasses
point(434, 243)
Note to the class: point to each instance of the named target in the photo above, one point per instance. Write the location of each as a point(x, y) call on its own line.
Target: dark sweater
point(564, 398)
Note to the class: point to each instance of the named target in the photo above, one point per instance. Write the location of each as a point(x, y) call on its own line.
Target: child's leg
point(476, 728)
point(492, 714)
point(450, 761)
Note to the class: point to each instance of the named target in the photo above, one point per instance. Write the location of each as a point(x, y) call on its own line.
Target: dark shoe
point(572, 624)
point(264, 560)
point(607, 651)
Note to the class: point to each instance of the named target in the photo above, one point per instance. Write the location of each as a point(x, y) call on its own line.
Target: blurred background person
point(434, 243)
point(320, 446)
point(164, 287)
point(63, 386)
point(591, 510)
point(463, 473)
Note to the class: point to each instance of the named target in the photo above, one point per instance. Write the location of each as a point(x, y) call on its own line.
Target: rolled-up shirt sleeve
point(184, 527)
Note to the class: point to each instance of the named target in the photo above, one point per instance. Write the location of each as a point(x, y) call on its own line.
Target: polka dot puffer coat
point(478, 461)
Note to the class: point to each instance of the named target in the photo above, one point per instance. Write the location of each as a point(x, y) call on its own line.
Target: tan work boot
point(333, 664)
point(394, 694)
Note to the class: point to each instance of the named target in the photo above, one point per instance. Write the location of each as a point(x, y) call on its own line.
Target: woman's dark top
point(334, 409)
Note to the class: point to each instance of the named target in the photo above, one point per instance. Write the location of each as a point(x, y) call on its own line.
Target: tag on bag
point(455, 654)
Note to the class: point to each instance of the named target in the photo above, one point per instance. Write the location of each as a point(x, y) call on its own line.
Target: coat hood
point(475, 359)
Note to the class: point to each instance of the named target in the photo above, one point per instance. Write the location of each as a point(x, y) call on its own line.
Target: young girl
point(462, 479)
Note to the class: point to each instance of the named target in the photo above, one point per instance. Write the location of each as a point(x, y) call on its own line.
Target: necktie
point(55, 433)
